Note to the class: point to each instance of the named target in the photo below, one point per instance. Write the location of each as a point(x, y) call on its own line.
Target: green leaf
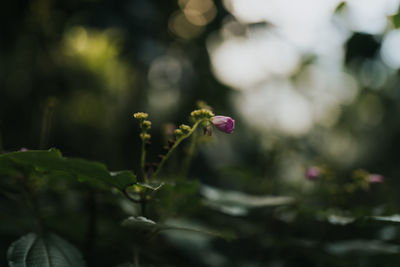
point(53, 163)
point(142, 223)
point(237, 203)
point(43, 251)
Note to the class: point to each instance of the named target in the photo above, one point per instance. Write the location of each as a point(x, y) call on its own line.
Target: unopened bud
point(140, 115)
point(202, 114)
point(185, 128)
point(224, 123)
point(375, 178)
point(145, 136)
point(313, 173)
point(178, 133)
point(146, 125)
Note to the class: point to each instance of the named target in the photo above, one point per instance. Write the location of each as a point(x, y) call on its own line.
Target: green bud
point(185, 128)
point(178, 133)
point(201, 114)
point(146, 125)
point(145, 136)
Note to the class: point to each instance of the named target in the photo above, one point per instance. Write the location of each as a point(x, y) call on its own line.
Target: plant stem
point(143, 161)
point(46, 123)
point(1, 141)
point(190, 153)
point(136, 256)
point(168, 155)
point(92, 223)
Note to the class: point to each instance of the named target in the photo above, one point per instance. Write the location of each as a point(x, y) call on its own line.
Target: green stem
point(1, 143)
point(143, 161)
point(190, 153)
point(46, 123)
point(136, 256)
point(168, 155)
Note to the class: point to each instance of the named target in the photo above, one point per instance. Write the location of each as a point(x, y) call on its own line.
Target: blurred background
point(308, 82)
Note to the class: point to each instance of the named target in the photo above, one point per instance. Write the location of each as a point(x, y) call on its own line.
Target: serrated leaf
point(43, 251)
point(53, 162)
point(142, 223)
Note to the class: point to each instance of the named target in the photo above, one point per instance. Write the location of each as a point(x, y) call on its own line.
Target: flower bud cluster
point(360, 179)
point(364, 177)
point(201, 114)
point(182, 130)
point(144, 124)
point(140, 116)
point(185, 128)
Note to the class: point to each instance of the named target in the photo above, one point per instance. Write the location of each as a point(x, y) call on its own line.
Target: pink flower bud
point(313, 173)
point(375, 178)
point(223, 123)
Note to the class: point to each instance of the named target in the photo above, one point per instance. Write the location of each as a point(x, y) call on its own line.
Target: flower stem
point(168, 155)
point(143, 161)
point(189, 156)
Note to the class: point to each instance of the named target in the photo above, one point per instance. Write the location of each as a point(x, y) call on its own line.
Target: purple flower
point(375, 178)
point(223, 123)
point(313, 173)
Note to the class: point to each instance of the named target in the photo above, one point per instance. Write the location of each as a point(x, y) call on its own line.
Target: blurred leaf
point(393, 218)
point(339, 8)
point(126, 264)
point(336, 216)
point(362, 246)
point(48, 250)
point(52, 161)
point(238, 203)
point(396, 20)
point(142, 223)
